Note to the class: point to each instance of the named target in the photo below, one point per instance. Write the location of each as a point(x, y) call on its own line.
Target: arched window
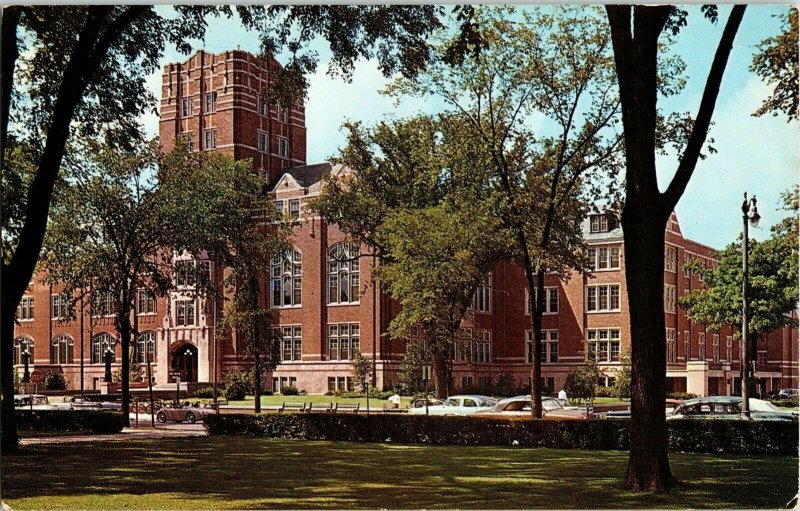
point(146, 346)
point(20, 345)
point(99, 345)
point(286, 279)
point(343, 274)
point(61, 350)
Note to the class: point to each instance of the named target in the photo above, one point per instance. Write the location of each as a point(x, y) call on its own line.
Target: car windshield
point(452, 402)
point(551, 404)
point(759, 405)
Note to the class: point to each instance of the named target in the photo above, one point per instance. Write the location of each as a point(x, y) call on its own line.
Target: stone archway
point(183, 362)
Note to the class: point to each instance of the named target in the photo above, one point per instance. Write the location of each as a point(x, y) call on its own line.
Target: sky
point(759, 155)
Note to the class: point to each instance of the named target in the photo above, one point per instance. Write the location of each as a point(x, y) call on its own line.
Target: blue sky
point(757, 155)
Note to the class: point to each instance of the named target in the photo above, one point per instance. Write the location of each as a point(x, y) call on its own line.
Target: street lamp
point(749, 216)
point(107, 360)
point(26, 359)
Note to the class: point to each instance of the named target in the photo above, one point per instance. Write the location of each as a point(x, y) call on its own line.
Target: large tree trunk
point(125, 342)
point(441, 374)
point(257, 382)
point(8, 435)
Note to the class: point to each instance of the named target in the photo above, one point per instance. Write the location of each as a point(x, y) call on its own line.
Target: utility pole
point(749, 216)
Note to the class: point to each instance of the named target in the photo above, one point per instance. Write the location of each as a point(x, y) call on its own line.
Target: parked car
point(728, 408)
point(184, 412)
point(671, 405)
point(457, 405)
point(420, 403)
point(79, 403)
point(38, 402)
point(788, 393)
point(520, 406)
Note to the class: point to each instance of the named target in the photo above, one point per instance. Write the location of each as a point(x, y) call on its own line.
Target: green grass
point(249, 473)
point(277, 400)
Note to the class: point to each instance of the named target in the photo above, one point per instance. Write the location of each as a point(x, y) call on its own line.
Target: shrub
point(237, 385)
point(791, 402)
point(605, 391)
point(54, 381)
point(204, 392)
point(290, 391)
point(757, 437)
point(681, 395)
point(73, 421)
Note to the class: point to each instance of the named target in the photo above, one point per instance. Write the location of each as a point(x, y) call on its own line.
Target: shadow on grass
point(240, 472)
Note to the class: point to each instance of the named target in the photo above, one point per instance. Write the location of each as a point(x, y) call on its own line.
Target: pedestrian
point(562, 396)
point(395, 400)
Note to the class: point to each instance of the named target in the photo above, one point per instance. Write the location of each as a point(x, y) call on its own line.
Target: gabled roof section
point(303, 177)
point(673, 225)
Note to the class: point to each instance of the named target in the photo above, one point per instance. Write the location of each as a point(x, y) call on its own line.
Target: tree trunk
point(441, 374)
point(257, 382)
point(8, 435)
point(125, 341)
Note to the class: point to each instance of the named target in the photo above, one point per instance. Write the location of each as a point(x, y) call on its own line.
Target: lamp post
point(26, 359)
point(749, 216)
point(107, 360)
point(189, 366)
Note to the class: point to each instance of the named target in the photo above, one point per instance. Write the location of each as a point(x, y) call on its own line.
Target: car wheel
point(190, 418)
point(161, 417)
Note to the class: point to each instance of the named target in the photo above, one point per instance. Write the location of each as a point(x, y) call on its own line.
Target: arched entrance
point(183, 362)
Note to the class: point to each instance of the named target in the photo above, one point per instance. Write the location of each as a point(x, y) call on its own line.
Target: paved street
point(144, 431)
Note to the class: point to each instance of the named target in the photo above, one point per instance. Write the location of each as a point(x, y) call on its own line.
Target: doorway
point(184, 363)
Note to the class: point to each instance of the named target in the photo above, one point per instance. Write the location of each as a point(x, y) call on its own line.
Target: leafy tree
point(555, 65)
point(233, 223)
point(776, 64)
point(105, 237)
point(582, 381)
point(362, 368)
point(622, 378)
point(80, 70)
point(635, 33)
point(415, 357)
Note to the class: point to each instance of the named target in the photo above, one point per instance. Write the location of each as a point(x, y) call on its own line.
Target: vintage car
point(520, 407)
point(420, 402)
point(669, 408)
point(38, 402)
point(188, 412)
point(457, 405)
point(79, 403)
point(728, 408)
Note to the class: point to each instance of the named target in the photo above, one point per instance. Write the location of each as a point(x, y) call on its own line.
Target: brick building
point(329, 308)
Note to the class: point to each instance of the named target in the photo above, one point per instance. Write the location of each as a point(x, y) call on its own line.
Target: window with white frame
point(343, 341)
point(462, 351)
point(188, 139)
point(263, 107)
point(25, 309)
point(604, 258)
point(186, 107)
point(62, 350)
point(145, 302)
point(482, 301)
point(729, 347)
point(283, 147)
point(185, 312)
point(210, 139)
point(701, 347)
point(60, 307)
point(21, 345)
point(548, 347)
point(598, 223)
point(101, 343)
point(343, 273)
point(550, 300)
point(482, 347)
point(286, 279)
point(283, 114)
point(761, 358)
point(603, 298)
point(670, 298)
point(279, 206)
point(291, 343)
point(294, 209)
point(686, 261)
point(263, 142)
point(211, 101)
point(672, 346)
point(184, 273)
point(700, 274)
point(103, 303)
point(603, 344)
point(687, 345)
point(146, 347)
point(715, 347)
point(669, 259)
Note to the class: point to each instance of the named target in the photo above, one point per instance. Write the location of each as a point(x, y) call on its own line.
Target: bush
point(73, 421)
point(605, 391)
point(54, 381)
point(237, 385)
point(290, 391)
point(681, 395)
point(757, 437)
point(204, 392)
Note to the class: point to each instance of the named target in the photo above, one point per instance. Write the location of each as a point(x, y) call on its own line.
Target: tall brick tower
point(216, 103)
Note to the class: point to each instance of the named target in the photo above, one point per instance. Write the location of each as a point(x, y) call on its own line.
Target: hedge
point(689, 436)
point(78, 421)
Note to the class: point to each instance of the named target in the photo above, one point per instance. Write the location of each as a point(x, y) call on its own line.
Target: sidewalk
point(143, 432)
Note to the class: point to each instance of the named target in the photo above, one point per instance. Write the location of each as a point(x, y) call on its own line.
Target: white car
point(37, 402)
point(458, 405)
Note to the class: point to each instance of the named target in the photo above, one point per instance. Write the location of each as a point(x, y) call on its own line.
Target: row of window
point(62, 348)
point(210, 105)
point(672, 347)
point(293, 210)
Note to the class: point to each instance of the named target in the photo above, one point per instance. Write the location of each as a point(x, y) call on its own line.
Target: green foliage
point(54, 381)
point(775, 63)
point(237, 385)
point(290, 391)
point(773, 277)
point(582, 381)
point(204, 392)
point(681, 395)
point(604, 391)
point(362, 370)
point(622, 377)
point(73, 421)
point(756, 437)
point(410, 371)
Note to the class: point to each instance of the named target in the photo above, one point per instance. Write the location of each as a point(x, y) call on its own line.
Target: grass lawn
point(277, 400)
point(248, 473)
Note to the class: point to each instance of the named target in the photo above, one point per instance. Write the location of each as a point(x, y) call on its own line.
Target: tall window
point(292, 343)
point(263, 142)
point(549, 346)
point(25, 310)
point(669, 259)
point(188, 138)
point(286, 279)
point(602, 298)
point(729, 346)
point(482, 347)
point(103, 303)
point(599, 223)
point(283, 147)
point(550, 301)
point(263, 107)
point(211, 101)
point(701, 347)
point(185, 312)
point(145, 302)
point(604, 258)
point(60, 307)
point(61, 350)
point(294, 209)
point(343, 341)
point(672, 346)
point(670, 298)
point(343, 273)
point(186, 107)
point(603, 345)
point(184, 273)
point(210, 139)
point(100, 344)
point(482, 301)
point(20, 345)
point(715, 348)
point(686, 260)
point(283, 114)
point(687, 347)
point(146, 347)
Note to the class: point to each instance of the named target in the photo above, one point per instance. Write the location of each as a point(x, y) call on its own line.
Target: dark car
point(728, 408)
point(671, 405)
point(187, 412)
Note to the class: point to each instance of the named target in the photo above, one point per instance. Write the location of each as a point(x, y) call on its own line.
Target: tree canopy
point(776, 64)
